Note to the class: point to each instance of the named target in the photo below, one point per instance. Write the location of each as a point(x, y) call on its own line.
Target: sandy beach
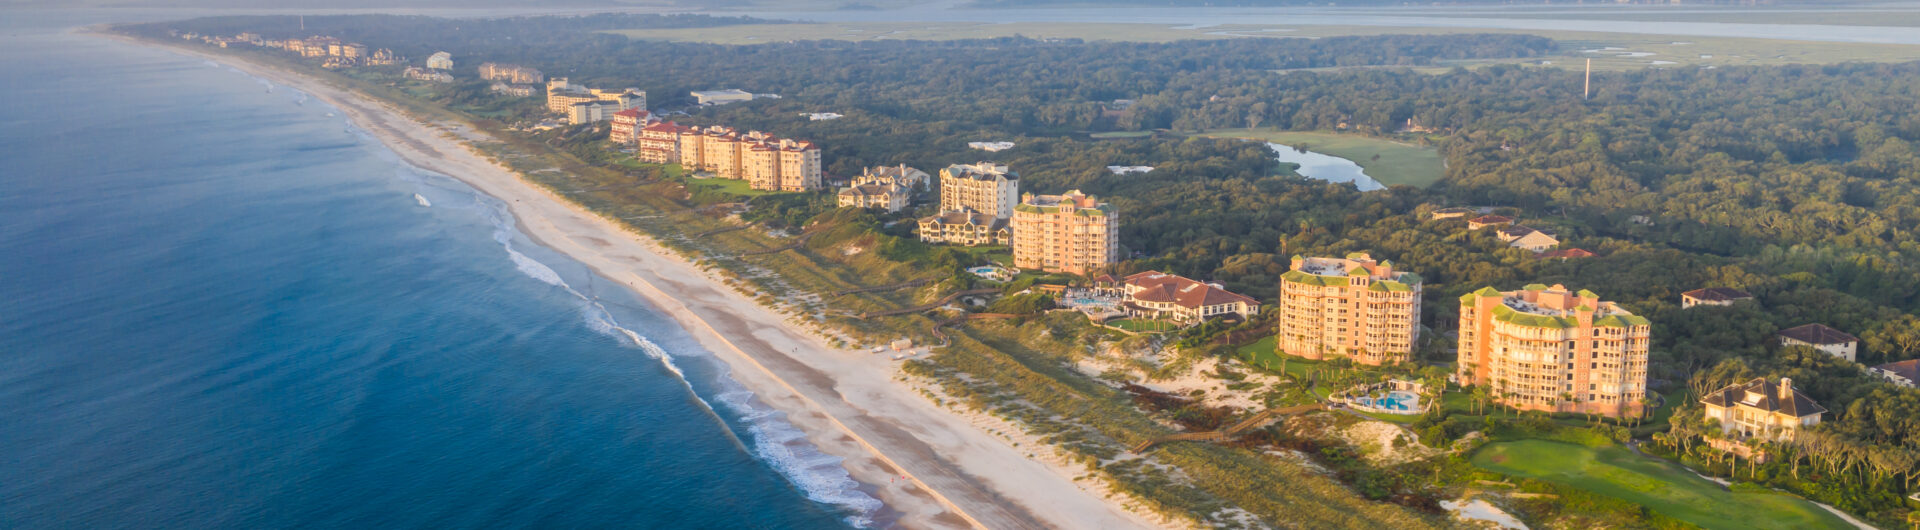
point(935, 468)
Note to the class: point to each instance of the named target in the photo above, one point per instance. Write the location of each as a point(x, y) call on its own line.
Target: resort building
point(913, 179)
point(440, 61)
point(779, 164)
point(984, 187)
point(511, 73)
point(1072, 233)
point(562, 95)
point(1162, 296)
point(1720, 296)
point(721, 97)
point(591, 111)
point(766, 162)
point(1823, 338)
point(659, 142)
point(889, 197)
point(965, 227)
point(626, 126)
point(1904, 373)
point(1354, 307)
point(1548, 349)
point(1761, 409)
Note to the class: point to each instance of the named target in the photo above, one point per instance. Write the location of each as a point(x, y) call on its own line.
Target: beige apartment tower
point(1353, 307)
point(984, 187)
point(1071, 233)
point(1545, 348)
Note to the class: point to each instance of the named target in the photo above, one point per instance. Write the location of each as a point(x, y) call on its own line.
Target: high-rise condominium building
point(1071, 233)
point(764, 161)
point(1353, 307)
point(1544, 348)
point(984, 187)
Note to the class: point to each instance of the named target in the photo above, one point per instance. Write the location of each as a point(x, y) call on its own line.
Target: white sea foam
point(776, 441)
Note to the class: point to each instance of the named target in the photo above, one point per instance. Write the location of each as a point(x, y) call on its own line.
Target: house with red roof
point(1158, 295)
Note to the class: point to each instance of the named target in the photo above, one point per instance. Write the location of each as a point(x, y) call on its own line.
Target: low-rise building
point(518, 91)
point(889, 197)
point(1531, 239)
point(1549, 349)
point(1720, 296)
point(422, 74)
point(1761, 409)
point(913, 179)
point(1904, 373)
point(511, 73)
point(1823, 338)
point(1162, 296)
point(1071, 232)
point(1353, 307)
point(1451, 213)
point(1485, 221)
point(965, 227)
point(440, 61)
point(721, 97)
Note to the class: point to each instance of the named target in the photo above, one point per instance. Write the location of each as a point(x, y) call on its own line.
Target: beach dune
point(933, 467)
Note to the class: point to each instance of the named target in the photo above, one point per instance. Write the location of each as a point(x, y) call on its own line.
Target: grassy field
point(1398, 163)
point(734, 186)
point(1612, 51)
point(1617, 472)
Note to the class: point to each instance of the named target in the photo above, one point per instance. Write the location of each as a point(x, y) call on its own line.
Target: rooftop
point(1818, 334)
point(1156, 286)
point(1909, 369)
point(1766, 396)
point(1717, 294)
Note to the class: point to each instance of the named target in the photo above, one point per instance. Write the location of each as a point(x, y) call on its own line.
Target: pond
point(1326, 167)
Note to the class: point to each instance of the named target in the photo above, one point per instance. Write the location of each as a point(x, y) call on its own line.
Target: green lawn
point(1616, 471)
point(736, 187)
point(1398, 162)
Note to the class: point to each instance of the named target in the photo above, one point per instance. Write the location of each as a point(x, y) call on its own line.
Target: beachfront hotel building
point(985, 187)
point(763, 160)
point(659, 142)
point(440, 61)
point(626, 126)
point(1548, 349)
point(1071, 232)
point(1352, 307)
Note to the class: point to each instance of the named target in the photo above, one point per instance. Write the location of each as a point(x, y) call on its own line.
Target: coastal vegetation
point(1392, 162)
point(1798, 184)
point(1662, 487)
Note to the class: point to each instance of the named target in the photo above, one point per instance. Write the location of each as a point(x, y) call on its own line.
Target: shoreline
point(930, 467)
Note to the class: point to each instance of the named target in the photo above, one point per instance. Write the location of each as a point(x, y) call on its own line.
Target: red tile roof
point(1157, 286)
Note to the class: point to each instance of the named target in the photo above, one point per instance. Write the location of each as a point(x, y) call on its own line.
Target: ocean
point(223, 306)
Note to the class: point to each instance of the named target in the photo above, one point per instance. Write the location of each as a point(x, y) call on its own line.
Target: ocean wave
point(776, 441)
point(786, 448)
point(773, 439)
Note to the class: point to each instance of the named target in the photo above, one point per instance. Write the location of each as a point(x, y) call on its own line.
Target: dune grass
point(1617, 472)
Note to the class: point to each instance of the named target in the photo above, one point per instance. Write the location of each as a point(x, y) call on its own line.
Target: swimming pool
point(1395, 400)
